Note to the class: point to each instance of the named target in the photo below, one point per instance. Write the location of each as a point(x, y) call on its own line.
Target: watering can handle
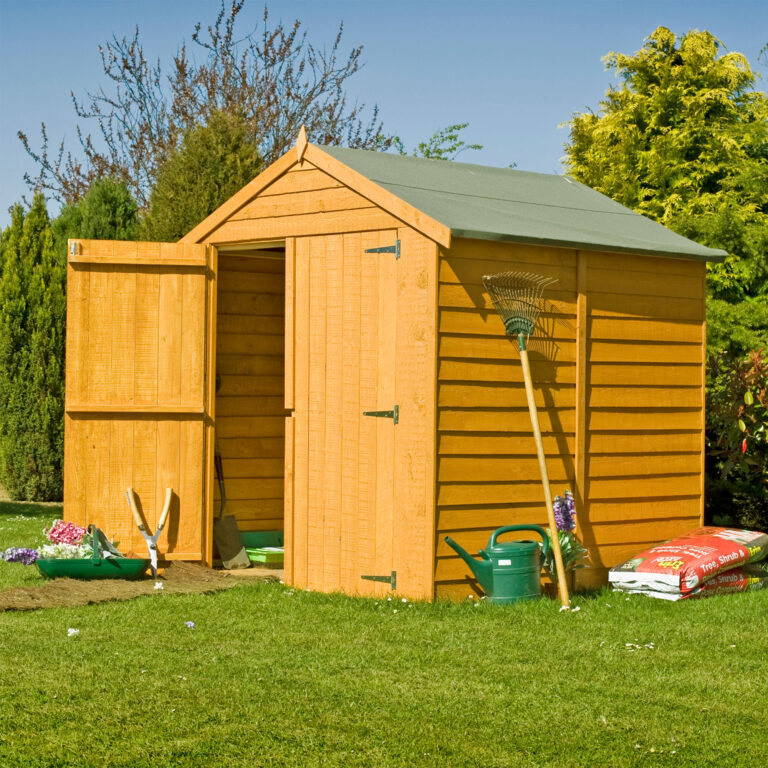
point(536, 528)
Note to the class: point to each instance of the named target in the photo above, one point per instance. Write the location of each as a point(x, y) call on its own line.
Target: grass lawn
point(270, 676)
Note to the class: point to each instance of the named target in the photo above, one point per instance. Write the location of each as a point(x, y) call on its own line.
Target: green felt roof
point(488, 203)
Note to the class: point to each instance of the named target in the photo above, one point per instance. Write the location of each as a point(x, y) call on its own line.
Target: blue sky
point(514, 70)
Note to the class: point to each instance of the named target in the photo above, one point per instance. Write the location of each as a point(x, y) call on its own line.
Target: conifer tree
point(32, 310)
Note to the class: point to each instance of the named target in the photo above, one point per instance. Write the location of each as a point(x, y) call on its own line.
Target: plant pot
point(87, 568)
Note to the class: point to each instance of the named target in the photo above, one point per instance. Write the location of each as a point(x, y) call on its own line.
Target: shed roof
point(488, 203)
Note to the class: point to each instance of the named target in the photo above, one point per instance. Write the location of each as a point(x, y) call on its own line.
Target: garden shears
point(151, 540)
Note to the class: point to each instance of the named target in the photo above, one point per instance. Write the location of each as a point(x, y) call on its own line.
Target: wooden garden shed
point(341, 283)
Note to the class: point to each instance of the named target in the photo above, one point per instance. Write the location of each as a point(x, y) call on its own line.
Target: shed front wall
point(617, 362)
point(360, 335)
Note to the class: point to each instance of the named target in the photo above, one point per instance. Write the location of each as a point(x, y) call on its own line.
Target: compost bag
point(678, 568)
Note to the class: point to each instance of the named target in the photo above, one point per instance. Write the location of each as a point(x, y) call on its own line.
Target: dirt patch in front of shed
point(177, 579)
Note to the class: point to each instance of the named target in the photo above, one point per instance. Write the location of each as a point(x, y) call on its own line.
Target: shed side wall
point(632, 327)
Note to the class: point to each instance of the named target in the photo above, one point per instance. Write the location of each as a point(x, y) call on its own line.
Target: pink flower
point(65, 533)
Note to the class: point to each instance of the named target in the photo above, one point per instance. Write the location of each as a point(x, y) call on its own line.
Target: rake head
point(517, 298)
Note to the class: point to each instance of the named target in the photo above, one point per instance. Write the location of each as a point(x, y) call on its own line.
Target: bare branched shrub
point(273, 78)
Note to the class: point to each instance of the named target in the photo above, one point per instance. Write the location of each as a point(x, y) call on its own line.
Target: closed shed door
point(137, 390)
point(344, 363)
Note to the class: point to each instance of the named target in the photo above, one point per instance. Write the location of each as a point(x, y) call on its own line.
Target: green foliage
point(573, 551)
point(737, 328)
point(106, 212)
point(684, 140)
point(32, 312)
point(213, 162)
point(737, 437)
point(444, 144)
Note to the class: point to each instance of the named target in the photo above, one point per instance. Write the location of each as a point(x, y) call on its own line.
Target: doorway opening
point(250, 382)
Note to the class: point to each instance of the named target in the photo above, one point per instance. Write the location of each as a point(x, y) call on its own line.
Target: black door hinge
point(391, 579)
point(387, 249)
point(394, 414)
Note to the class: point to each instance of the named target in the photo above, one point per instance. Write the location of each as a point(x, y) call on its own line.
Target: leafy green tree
point(32, 310)
point(444, 144)
point(213, 162)
point(684, 140)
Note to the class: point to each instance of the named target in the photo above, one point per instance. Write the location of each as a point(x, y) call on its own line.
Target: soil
point(177, 578)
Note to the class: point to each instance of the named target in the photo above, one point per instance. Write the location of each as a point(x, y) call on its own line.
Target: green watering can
point(509, 571)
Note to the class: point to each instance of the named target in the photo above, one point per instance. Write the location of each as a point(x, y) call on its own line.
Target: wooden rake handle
point(562, 586)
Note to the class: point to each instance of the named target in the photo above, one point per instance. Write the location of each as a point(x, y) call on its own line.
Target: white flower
point(72, 632)
point(404, 600)
point(158, 585)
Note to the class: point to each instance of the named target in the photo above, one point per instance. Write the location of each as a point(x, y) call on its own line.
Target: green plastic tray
point(265, 554)
point(106, 568)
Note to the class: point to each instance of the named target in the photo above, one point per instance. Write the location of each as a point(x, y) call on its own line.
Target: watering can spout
point(481, 568)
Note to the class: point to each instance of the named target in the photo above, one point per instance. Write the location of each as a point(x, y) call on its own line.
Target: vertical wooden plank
point(581, 485)
point(144, 477)
point(298, 544)
point(146, 354)
point(210, 401)
point(388, 323)
point(96, 445)
point(290, 322)
point(316, 413)
point(414, 437)
point(193, 361)
point(169, 340)
point(288, 506)
point(190, 488)
point(78, 294)
point(351, 415)
point(123, 337)
point(119, 521)
point(99, 336)
point(75, 471)
point(334, 257)
point(168, 476)
point(582, 386)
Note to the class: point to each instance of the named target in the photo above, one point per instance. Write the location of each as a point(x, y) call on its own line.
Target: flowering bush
point(67, 542)
point(22, 555)
point(65, 551)
point(572, 550)
point(65, 533)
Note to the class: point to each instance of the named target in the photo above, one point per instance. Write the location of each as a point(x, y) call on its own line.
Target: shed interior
point(250, 382)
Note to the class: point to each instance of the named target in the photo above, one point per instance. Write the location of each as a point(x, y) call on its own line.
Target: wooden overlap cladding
point(136, 389)
point(617, 361)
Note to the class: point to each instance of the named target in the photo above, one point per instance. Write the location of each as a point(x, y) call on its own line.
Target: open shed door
point(139, 391)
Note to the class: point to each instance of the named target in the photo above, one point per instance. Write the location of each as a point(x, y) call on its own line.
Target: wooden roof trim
point(379, 196)
point(241, 198)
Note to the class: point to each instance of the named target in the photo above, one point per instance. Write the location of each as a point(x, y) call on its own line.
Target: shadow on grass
point(28, 509)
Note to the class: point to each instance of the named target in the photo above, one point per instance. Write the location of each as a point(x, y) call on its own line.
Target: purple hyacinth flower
point(564, 509)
